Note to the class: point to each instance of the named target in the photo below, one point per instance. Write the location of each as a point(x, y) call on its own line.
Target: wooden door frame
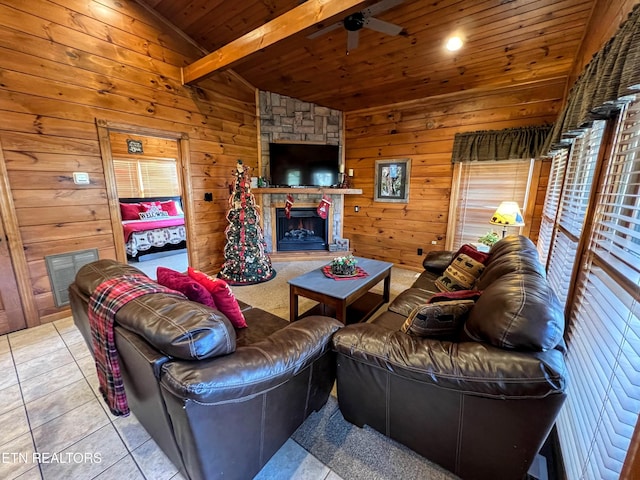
point(184, 178)
point(16, 247)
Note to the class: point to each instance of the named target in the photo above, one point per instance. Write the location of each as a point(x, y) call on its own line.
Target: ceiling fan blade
point(324, 30)
point(382, 26)
point(380, 7)
point(352, 40)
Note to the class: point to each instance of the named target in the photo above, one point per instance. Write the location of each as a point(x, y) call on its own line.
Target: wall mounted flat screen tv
point(303, 164)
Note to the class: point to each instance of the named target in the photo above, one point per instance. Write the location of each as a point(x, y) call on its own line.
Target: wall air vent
point(62, 271)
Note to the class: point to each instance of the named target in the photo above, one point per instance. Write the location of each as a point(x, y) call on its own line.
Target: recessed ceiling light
point(454, 43)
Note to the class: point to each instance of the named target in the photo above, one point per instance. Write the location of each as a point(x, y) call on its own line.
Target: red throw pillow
point(472, 252)
point(457, 295)
point(170, 207)
point(130, 211)
point(223, 296)
point(185, 285)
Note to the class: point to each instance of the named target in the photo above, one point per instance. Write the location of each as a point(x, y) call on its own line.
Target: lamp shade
point(508, 215)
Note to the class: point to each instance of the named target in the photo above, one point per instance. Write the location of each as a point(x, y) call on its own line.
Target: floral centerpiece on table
point(344, 265)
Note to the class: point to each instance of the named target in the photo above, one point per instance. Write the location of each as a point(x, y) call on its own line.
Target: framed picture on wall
point(392, 180)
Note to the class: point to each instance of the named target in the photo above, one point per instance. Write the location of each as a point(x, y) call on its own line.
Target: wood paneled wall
point(66, 63)
point(423, 131)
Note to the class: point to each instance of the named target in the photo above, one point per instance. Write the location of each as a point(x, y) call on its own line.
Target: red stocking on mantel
point(323, 207)
point(287, 206)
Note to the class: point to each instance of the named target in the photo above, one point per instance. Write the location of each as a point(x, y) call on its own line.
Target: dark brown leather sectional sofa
point(480, 404)
point(219, 402)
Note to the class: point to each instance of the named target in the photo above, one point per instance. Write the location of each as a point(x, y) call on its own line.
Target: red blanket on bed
point(130, 226)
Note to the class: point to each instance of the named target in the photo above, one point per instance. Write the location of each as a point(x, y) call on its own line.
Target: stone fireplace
point(272, 203)
point(303, 230)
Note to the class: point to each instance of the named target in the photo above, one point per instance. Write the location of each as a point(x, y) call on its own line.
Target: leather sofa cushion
point(388, 320)
point(437, 262)
point(512, 244)
point(253, 369)
point(470, 367)
point(509, 262)
point(261, 324)
point(180, 329)
point(517, 311)
point(409, 299)
point(427, 281)
point(93, 274)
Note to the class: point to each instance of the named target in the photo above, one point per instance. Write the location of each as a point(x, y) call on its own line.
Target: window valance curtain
point(507, 144)
point(612, 75)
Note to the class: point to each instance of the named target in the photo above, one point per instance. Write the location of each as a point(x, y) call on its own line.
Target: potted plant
point(489, 239)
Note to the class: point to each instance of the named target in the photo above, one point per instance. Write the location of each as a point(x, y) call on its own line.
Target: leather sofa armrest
point(472, 367)
point(255, 368)
point(437, 262)
point(145, 352)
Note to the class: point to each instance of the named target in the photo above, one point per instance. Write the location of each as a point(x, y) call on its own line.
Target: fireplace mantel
point(307, 190)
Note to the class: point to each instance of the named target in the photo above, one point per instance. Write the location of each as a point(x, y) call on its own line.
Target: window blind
point(573, 202)
point(551, 203)
point(159, 178)
point(597, 422)
point(146, 177)
point(616, 238)
point(482, 186)
point(127, 180)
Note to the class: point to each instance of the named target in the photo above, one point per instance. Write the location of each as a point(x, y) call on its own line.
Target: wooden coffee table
point(345, 298)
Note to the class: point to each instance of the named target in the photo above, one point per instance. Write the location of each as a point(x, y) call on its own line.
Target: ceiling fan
point(364, 19)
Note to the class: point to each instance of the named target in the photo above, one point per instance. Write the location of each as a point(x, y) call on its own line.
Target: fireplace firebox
point(303, 230)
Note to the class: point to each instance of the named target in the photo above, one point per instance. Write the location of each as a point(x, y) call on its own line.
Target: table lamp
point(507, 215)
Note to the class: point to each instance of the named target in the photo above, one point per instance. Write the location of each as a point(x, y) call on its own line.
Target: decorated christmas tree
point(246, 261)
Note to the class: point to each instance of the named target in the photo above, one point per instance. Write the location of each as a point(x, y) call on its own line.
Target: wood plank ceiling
point(507, 42)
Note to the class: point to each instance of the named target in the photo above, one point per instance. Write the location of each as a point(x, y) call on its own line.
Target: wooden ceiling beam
point(295, 20)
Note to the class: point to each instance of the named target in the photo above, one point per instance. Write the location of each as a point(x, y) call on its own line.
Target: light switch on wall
point(81, 178)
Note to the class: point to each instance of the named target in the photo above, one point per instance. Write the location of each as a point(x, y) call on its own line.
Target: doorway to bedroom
point(150, 201)
point(148, 193)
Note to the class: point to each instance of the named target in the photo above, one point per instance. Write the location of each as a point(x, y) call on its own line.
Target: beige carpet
point(273, 295)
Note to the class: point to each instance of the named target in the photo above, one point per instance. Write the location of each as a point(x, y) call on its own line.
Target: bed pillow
point(130, 211)
point(146, 206)
point(170, 207)
point(152, 210)
point(223, 296)
point(184, 284)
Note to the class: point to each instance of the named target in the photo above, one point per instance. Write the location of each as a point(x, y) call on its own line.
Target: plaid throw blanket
point(104, 303)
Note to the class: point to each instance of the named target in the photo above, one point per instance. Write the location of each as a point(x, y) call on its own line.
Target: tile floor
point(54, 425)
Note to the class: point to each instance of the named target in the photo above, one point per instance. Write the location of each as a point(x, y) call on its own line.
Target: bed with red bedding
point(152, 225)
